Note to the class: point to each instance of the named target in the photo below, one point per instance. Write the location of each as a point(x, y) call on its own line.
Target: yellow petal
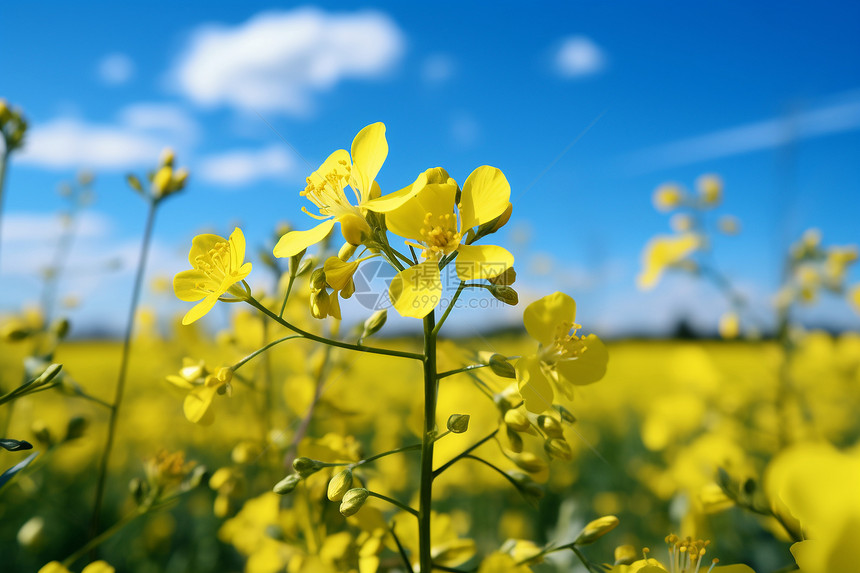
point(53, 567)
point(201, 245)
point(98, 567)
point(185, 285)
point(417, 290)
point(237, 249)
point(486, 195)
point(338, 273)
point(854, 297)
point(589, 367)
point(200, 309)
point(435, 199)
point(295, 242)
point(737, 568)
point(534, 387)
point(335, 164)
point(197, 403)
point(476, 262)
point(662, 252)
point(391, 201)
point(543, 317)
point(369, 150)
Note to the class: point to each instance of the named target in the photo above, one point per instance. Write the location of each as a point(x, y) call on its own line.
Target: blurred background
point(586, 107)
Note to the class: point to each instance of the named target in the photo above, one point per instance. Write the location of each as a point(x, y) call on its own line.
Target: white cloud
point(437, 69)
point(115, 69)
point(578, 56)
point(135, 140)
point(278, 61)
point(70, 143)
point(242, 167)
point(165, 118)
point(21, 227)
point(841, 116)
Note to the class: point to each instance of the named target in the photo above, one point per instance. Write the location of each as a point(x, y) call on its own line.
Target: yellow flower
point(326, 190)
point(710, 188)
point(854, 297)
point(667, 197)
point(94, 567)
point(813, 487)
point(663, 252)
point(563, 357)
point(730, 325)
point(429, 219)
point(217, 268)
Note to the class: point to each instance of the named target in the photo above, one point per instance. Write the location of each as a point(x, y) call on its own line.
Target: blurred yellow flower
point(813, 488)
point(710, 188)
point(325, 189)
point(429, 220)
point(563, 356)
point(663, 252)
point(730, 325)
point(217, 267)
point(667, 197)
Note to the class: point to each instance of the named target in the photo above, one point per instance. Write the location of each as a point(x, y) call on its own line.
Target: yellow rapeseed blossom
point(813, 488)
point(326, 190)
point(217, 267)
point(429, 219)
point(663, 252)
point(94, 567)
point(668, 197)
point(563, 357)
point(730, 325)
point(710, 188)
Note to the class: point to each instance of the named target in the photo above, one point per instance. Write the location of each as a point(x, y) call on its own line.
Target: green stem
point(393, 501)
point(3, 163)
point(500, 471)
point(428, 439)
point(321, 339)
point(458, 370)
point(449, 309)
point(584, 559)
point(101, 538)
point(287, 294)
point(465, 453)
point(383, 454)
point(263, 349)
point(400, 548)
point(123, 368)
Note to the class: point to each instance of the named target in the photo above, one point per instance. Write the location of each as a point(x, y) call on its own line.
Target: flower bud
point(354, 229)
point(625, 555)
point(529, 462)
point(346, 251)
point(596, 529)
point(161, 181)
point(320, 303)
point(287, 485)
point(167, 157)
point(566, 416)
point(550, 426)
point(306, 466)
point(458, 423)
point(508, 277)
point(710, 189)
point(76, 428)
point(517, 420)
point(373, 324)
point(558, 449)
point(60, 328)
point(505, 294)
point(339, 485)
point(32, 533)
point(353, 500)
point(501, 367)
point(515, 441)
point(318, 279)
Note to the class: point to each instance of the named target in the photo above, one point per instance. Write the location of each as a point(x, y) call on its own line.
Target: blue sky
point(585, 106)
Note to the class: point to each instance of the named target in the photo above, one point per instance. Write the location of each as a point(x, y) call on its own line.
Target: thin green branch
point(458, 370)
point(264, 348)
point(449, 308)
point(336, 343)
point(393, 502)
point(123, 369)
point(465, 452)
